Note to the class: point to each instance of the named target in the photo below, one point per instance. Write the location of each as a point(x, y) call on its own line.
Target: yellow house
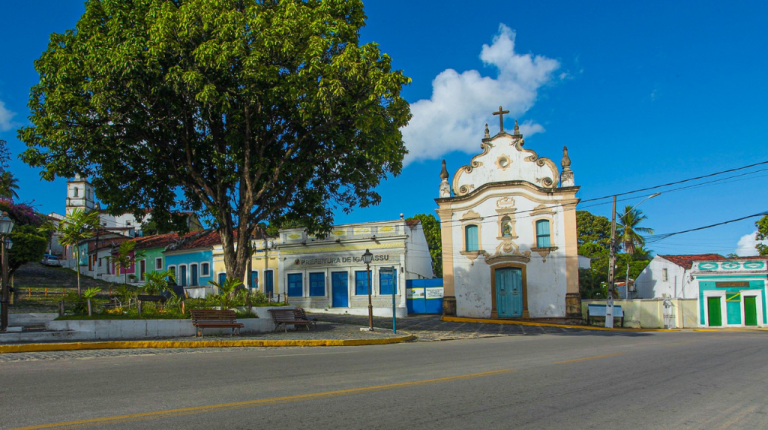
point(262, 273)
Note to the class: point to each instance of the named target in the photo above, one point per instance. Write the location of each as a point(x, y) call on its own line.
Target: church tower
point(80, 195)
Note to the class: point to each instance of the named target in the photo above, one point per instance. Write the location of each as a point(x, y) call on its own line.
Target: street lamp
point(367, 258)
point(6, 226)
point(612, 263)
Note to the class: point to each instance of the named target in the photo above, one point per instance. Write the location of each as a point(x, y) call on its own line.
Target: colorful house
point(191, 260)
point(151, 249)
point(731, 292)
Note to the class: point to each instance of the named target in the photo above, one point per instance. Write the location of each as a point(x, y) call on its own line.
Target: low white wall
point(649, 313)
point(143, 329)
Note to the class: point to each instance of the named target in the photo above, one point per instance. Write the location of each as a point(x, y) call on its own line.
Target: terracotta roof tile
point(412, 222)
point(204, 239)
point(686, 261)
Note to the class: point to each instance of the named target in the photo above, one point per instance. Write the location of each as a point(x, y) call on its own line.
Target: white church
point(509, 233)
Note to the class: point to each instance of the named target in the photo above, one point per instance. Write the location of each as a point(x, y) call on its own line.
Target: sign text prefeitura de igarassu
point(331, 261)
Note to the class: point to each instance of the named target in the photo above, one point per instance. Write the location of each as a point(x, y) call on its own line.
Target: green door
point(715, 317)
point(509, 292)
point(750, 310)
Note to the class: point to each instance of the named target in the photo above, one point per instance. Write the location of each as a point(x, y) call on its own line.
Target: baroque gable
point(505, 159)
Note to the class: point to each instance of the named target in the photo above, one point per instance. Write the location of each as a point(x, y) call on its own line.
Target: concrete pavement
point(566, 380)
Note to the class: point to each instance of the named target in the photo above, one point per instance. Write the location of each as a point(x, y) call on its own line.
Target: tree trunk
point(77, 269)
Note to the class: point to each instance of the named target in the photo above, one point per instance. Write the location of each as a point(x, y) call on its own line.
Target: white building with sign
point(329, 275)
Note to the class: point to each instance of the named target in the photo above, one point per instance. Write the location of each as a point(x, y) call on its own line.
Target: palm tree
point(629, 234)
point(8, 185)
point(74, 228)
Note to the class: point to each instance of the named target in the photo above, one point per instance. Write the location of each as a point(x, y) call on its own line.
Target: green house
point(732, 292)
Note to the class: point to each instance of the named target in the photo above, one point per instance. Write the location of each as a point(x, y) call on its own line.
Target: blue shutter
point(387, 281)
point(471, 238)
point(361, 282)
point(542, 234)
point(317, 284)
point(295, 289)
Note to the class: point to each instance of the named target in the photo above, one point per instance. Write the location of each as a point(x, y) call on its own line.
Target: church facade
point(508, 223)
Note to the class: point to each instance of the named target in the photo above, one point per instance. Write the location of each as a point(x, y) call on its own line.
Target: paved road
point(550, 381)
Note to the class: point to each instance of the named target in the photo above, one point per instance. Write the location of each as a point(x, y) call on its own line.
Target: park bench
point(214, 318)
point(302, 315)
point(286, 317)
point(596, 311)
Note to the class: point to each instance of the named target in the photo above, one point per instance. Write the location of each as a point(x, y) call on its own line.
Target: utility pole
point(611, 270)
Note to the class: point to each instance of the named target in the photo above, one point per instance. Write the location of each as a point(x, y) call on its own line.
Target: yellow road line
point(589, 358)
point(251, 403)
point(151, 344)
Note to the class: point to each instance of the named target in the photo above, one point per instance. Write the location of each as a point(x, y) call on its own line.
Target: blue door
point(269, 282)
point(193, 275)
point(340, 289)
point(254, 280)
point(183, 276)
point(222, 278)
point(509, 292)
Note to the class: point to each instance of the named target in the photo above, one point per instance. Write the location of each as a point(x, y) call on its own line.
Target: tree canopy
point(593, 229)
point(762, 234)
point(244, 111)
point(432, 231)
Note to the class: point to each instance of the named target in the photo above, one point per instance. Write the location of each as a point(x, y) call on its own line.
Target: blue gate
point(424, 296)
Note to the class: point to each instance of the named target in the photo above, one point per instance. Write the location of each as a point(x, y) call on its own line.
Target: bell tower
point(80, 195)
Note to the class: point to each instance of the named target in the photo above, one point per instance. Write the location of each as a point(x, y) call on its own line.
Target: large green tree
point(244, 111)
point(593, 229)
point(432, 231)
point(762, 234)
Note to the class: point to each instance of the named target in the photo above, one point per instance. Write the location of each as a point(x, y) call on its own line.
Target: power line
point(657, 238)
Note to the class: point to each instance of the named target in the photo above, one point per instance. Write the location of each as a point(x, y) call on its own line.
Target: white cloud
point(746, 245)
point(461, 103)
point(5, 118)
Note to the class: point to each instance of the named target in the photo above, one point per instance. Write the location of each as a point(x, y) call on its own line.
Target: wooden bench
point(286, 317)
point(212, 318)
point(302, 315)
point(600, 311)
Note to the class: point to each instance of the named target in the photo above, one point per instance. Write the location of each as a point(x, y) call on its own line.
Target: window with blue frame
point(317, 284)
point(295, 287)
point(361, 282)
point(542, 234)
point(470, 238)
point(387, 282)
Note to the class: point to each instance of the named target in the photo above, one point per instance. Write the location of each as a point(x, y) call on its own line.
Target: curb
point(741, 329)
point(163, 344)
point(535, 324)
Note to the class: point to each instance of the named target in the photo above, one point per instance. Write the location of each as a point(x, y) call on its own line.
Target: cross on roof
point(501, 113)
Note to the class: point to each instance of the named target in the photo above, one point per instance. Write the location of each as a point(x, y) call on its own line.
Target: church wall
point(545, 276)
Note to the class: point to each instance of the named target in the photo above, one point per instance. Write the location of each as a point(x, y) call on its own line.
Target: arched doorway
point(509, 291)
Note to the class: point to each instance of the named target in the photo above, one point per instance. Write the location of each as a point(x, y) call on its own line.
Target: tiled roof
point(412, 222)
point(204, 239)
point(155, 241)
point(686, 261)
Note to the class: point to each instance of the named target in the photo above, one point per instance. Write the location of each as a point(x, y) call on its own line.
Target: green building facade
point(732, 292)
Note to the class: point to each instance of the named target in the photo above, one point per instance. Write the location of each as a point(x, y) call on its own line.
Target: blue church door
point(340, 289)
point(509, 292)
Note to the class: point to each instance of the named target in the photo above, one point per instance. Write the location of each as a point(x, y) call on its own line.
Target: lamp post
point(367, 258)
point(6, 226)
point(612, 262)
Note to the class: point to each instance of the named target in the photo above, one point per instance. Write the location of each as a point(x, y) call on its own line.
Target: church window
point(664, 276)
point(76, 192)
point(506, 226)
point(471, 241)
point(542, 234)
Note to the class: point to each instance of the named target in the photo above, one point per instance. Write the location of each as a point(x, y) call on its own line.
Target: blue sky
point(642, 93)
